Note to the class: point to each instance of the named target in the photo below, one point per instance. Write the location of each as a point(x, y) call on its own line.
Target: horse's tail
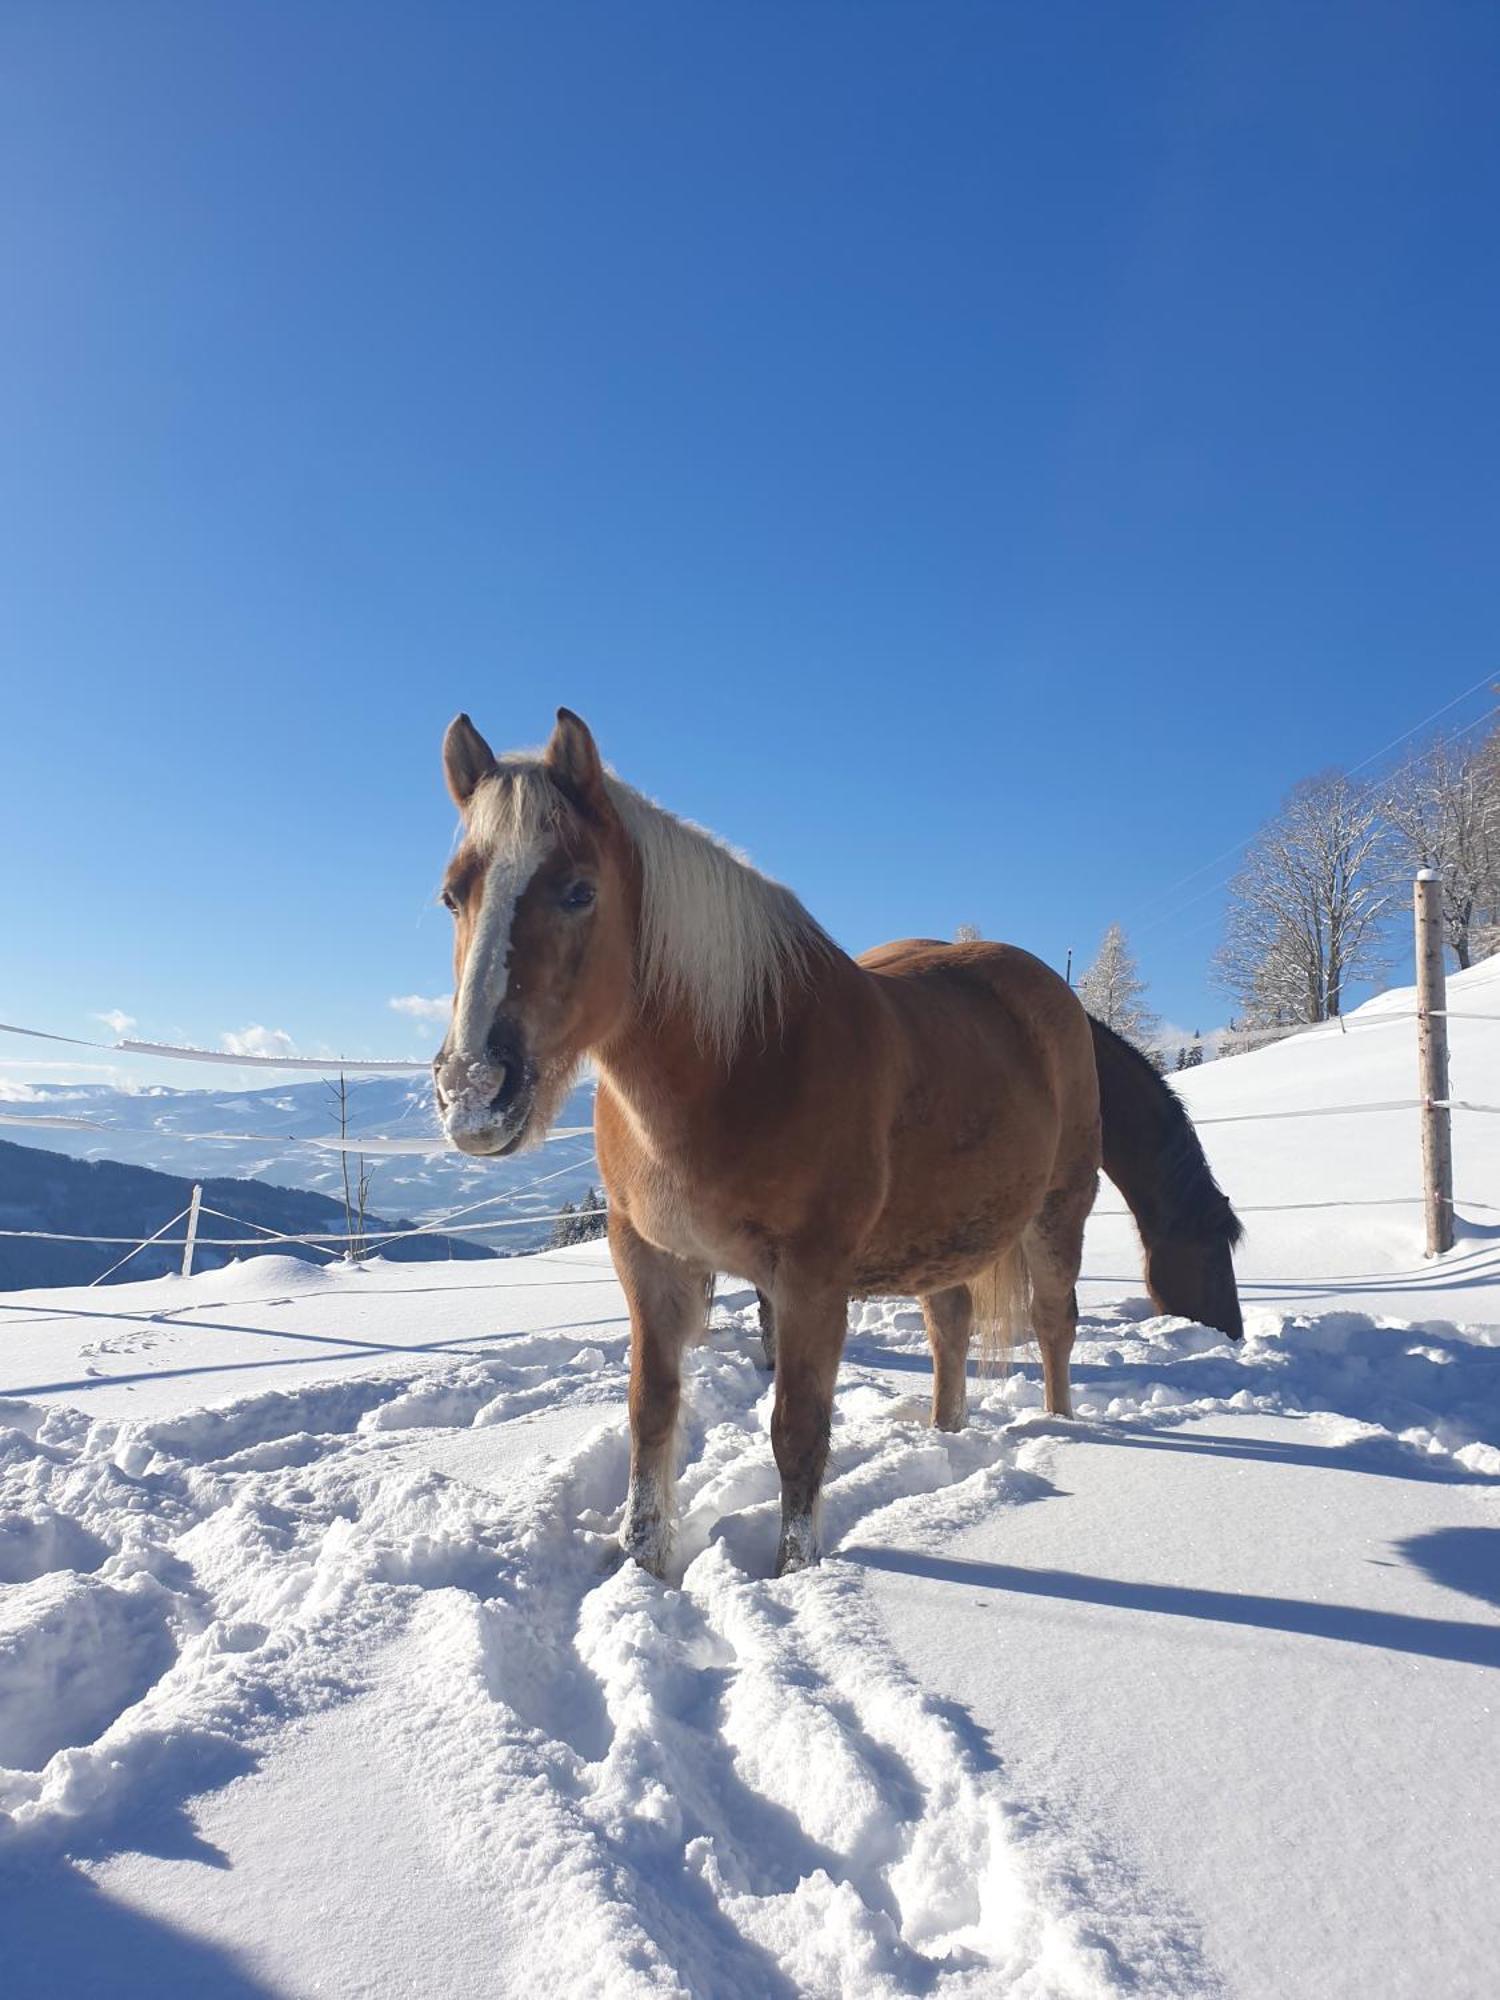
point(1153, 1156)
point(1002, 1307)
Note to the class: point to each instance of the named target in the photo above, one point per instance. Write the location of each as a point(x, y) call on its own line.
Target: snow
point(319, 1675)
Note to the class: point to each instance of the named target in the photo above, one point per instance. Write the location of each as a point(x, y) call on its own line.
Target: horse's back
point(924, 975)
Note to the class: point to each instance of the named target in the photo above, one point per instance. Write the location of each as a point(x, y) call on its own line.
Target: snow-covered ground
point(318, 1675)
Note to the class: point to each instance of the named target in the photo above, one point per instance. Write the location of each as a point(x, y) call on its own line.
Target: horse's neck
point(670, 1083)
point(677, 1090)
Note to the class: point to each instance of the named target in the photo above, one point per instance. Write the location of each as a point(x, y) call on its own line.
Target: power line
point(1142, 922)
point(1170, 916)
point(322, 1065)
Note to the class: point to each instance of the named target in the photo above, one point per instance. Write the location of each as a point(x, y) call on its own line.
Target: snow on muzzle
point(485, 1101)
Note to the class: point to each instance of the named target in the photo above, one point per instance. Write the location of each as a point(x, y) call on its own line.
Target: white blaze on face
point(471, 1080)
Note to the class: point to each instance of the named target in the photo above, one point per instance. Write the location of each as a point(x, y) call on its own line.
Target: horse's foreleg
point(667, 1299)
point(950, 1320)
point(767, 1329)
point(809, 1340)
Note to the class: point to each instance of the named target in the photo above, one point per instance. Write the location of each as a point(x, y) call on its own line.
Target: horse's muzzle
point(485, 1104)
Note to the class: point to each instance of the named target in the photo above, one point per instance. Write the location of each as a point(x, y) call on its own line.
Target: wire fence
point(310, 1237)
point(182, 1052)
point(375, 1146)
point(335, 1244)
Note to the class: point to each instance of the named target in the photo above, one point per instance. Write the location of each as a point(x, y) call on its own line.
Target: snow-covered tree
point(1444, 808)
point(563, 1225)
point(581, 1224)
point(1114, 992)
point(1307, 908)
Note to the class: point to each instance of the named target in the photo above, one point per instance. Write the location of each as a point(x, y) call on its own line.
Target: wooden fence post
point(1432, 1063)
point(192, 1232)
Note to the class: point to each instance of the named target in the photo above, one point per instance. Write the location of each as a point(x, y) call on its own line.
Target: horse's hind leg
point(668, 1302)
point(950, 1320)
point(1054, 1250)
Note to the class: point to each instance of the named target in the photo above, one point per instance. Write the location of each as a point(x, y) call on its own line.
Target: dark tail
point(1153, 1156)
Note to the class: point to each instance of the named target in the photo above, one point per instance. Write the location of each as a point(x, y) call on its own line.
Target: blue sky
point(976, 457)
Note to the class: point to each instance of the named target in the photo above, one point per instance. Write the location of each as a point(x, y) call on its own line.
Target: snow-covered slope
point(318, 1676)
point(1332, 1201)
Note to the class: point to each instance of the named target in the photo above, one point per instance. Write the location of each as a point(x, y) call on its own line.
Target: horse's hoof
point(651, 1556)
point(648, 1543)
point(799, 1546)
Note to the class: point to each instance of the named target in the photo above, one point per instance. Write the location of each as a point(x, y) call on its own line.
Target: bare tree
point(1484, 933)
point(1114, 992)
point(1444, 809)
point(357, 1191)
point(1306, 909)
point(966, 934)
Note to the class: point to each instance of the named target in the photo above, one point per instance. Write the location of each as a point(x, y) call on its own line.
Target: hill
point(1330, 1190)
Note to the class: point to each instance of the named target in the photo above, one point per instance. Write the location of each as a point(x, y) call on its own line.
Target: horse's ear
point(572, 760)
point(467, 759)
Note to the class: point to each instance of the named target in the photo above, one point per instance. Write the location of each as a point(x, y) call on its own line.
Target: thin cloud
point(258, 1041)
point(419, 1008)
point(118, 1020)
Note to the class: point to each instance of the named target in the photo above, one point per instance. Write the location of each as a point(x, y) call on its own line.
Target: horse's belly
point(942, 1227)
point(931, 1264)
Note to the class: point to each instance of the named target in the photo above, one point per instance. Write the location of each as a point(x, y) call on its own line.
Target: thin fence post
point(192, 1231)
point(1432, 1063)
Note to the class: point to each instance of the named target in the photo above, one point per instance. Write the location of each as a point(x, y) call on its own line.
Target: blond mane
point(716, 936)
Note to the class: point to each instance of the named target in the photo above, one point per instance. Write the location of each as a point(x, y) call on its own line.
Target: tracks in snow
point(727, 1785)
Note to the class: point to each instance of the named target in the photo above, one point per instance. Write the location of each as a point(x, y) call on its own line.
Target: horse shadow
point(1467, 1644)
point(66, 1935)
point(1380, 1457)
point(1461, 1559)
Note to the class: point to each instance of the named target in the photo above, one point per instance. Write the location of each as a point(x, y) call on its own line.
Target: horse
point(929, 1119)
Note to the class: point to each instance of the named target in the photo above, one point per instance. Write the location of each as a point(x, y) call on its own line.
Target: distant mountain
point(46, 1191)
point(177, 1132)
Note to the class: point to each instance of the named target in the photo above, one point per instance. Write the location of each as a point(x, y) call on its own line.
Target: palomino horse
point(925, 1120)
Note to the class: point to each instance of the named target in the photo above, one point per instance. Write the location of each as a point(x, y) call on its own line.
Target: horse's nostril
point(478, 1094)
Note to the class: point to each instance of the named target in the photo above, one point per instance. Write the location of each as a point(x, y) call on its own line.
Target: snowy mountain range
point(289, 1135)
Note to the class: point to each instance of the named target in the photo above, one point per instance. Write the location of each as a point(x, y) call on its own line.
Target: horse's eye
point(578, 895)
point(450, 901)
